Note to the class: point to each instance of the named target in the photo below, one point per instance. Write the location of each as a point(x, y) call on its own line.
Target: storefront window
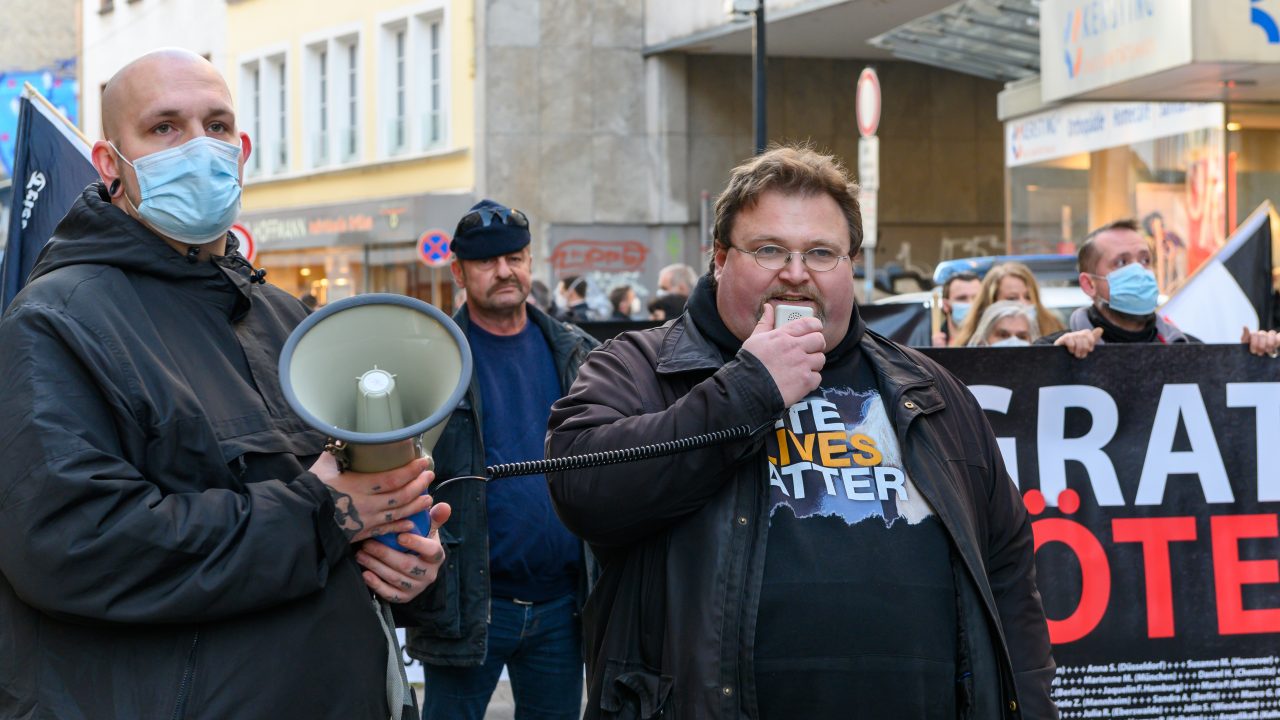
point(332, 273)
point(1085, 165)
point(1253, 157)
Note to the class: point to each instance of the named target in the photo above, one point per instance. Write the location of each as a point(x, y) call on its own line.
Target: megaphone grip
point(421, 526)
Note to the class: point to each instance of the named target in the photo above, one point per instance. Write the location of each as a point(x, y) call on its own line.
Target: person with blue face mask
point(958, 294)
point(168, 520)
point(1115, 263)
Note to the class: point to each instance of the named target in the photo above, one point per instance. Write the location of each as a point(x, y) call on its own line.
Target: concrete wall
point(37, 33)
point(941, 147)
point(583, 133)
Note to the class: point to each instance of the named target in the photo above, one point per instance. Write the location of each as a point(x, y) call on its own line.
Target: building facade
point(362, 117)
point(612, 123)
point(1165, 112)
point(118, 31)
point(41, 41)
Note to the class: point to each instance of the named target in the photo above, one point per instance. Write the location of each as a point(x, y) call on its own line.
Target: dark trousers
point(541, 646)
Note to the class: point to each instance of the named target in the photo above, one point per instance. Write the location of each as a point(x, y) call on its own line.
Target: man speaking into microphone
point(862, 554)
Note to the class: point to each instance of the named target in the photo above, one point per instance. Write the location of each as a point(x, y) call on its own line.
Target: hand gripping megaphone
point(373, 371)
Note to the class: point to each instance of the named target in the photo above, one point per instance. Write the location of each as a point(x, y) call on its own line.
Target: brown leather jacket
point(681, 539)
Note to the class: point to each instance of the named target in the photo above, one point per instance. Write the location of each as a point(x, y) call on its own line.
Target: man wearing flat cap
point(511, 592)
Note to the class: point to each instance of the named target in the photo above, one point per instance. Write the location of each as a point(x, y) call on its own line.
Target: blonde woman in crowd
point(1014, 282)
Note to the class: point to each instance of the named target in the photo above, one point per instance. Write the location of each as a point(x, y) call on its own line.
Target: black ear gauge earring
point(115, 187)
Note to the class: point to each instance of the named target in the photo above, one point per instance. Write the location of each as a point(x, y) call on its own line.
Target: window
point(264, 103)
point(282, 115)
point(399, 141)
point(350, 129)
point(433, 132)
point(322, 87)
point(251, 109)
point(413, 87)
point(331, 71)
point(316, 96)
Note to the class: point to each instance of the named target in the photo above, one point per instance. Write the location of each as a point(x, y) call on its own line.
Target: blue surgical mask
point(1133, 290)
point(190, 193)
point(1013, 341)
point(958, 312)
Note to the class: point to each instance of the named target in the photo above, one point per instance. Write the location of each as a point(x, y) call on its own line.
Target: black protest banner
point(1152, 475)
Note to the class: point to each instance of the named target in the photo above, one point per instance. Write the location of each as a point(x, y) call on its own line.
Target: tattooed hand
point(368, 504)
point(399, 577)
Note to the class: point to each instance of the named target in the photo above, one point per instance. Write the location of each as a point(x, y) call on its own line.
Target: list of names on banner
point(1232, 688)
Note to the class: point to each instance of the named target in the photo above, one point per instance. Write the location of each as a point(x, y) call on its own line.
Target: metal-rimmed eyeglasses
point(485, 216)
point(776, 257)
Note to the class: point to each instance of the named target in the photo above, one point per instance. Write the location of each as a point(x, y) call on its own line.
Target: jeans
point(541, 646)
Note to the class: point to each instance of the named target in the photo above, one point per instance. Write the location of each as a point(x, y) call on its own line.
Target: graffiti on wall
point(577, 257)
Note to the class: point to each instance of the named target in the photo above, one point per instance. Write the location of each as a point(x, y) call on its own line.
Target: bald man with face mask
point(173, 540)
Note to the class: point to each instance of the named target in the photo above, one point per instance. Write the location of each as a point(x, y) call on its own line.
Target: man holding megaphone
point(170, 545)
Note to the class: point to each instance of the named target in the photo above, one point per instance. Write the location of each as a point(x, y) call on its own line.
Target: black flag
point(50, 169)
point(1232, 289)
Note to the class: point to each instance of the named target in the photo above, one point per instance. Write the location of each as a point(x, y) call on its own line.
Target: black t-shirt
point(857, 614)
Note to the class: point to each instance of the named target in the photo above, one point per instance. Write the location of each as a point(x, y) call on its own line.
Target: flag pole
point(29, 91)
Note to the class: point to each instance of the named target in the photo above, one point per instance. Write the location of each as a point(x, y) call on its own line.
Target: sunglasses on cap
point(484, 217)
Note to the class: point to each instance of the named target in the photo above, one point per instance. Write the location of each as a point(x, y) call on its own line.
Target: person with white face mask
point(625, 303)
point(1115, 263)
point(1006, 324)
point(168, 519)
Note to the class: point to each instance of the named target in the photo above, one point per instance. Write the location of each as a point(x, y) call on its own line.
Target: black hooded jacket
point(163, 550)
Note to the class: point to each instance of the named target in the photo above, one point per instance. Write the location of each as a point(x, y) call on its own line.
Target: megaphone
point(372, 371)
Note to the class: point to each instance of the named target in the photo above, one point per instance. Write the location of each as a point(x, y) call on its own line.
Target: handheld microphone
point(783, 314)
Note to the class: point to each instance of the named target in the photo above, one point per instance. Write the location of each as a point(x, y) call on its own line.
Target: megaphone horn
point(372, 371)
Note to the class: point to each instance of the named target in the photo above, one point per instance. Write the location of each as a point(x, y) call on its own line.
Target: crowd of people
point(572, 299)
point(174, 541)
point(1116, 273)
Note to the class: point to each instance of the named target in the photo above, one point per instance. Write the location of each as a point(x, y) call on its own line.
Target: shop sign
point(1089, 44)
point(370, 222)
point(1086, 127)
point(1243, 32)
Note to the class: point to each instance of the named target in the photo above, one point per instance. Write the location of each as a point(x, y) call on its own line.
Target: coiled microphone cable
point(607, 457)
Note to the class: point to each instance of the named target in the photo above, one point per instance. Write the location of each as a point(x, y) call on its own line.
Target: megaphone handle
point(607, 457)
